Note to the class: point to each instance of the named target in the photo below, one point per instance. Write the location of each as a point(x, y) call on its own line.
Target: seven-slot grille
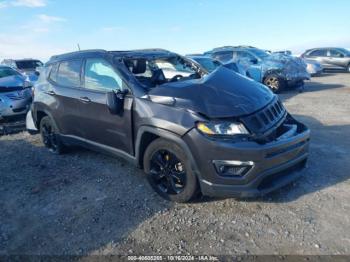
point(263, 120)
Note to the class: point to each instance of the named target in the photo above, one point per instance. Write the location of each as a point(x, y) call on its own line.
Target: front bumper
point(297, 78)
point(275, 164)
point(12, 107)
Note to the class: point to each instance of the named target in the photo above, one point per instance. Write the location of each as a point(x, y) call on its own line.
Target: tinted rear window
point(69, 73)
point(28, 64)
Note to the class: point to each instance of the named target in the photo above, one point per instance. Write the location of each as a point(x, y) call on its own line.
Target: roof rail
point(77, 52)
point(142, 50)
point(194, 54)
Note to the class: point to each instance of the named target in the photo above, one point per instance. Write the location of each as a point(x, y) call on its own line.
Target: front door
point(64, 94)
point(97, 123)
point(336, 58)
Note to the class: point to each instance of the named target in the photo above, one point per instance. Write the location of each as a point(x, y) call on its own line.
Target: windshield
point(28, 64)
point(6, 72)
point(154, 71)
point(209, 64)
point(259, 53)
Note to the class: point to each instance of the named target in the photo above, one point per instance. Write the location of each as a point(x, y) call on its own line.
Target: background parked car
point(274, 70)
point(283, 52)
point(330, 57)
point(15, 94)
point(28, 67)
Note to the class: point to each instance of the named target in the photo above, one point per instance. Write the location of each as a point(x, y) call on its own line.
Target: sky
point(42, 28)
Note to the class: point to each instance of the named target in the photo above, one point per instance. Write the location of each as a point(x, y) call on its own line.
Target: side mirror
point(37, 73)
point(254, 61)
point(115, 101)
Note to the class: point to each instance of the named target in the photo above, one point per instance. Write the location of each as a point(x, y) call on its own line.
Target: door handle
point(85, 99)
point(51, 93)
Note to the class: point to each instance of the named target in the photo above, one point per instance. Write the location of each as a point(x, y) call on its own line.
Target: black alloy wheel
point(167, 172)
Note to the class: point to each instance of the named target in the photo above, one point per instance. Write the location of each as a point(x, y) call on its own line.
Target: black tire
point(174, 181)
point(274, 82)
point(348, 68)
point(50, 136)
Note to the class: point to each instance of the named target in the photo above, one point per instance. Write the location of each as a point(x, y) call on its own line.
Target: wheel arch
point(39, 114)
point(147, 134)
point(273, 72)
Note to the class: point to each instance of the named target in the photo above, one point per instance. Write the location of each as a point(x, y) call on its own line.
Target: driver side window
point(101, 76)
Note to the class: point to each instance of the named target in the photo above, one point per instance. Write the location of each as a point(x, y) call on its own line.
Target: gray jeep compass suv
point(191, 131)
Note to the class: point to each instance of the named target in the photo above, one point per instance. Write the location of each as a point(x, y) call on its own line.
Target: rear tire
point(169, 171)
point(50, 136)
point(274, 82)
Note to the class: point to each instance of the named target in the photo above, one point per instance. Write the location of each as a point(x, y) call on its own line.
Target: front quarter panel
point(167, 117)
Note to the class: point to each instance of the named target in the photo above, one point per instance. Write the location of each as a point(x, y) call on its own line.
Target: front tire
point(169, 171)
point(50, 136)
point(274, 82)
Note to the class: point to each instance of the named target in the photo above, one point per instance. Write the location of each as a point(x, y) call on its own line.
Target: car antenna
point(78, 47)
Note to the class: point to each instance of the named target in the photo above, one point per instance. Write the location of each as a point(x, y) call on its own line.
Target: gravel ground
point(87, 203)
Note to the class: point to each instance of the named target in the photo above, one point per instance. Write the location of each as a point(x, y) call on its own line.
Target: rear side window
point(69, 73)
point(28, 64)
point(319, 52)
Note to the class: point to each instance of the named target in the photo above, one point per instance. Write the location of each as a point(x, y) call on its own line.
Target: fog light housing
point(232, 168)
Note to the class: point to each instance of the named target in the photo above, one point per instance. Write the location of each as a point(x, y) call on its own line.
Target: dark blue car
point(210, 64)
point(274, 70)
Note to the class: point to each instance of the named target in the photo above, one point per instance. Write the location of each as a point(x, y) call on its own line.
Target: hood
point(285, 60)
point(220, 94)
point(11, 83)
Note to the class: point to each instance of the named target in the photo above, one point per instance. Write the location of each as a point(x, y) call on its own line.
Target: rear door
point(97, 123)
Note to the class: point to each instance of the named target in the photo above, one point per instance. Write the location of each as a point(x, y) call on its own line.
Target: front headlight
point(27, 84)
point(222, 128)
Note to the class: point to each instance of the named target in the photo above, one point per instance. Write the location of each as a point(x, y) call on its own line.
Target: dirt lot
point(86, 203)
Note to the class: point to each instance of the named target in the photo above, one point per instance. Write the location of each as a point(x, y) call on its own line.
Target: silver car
point(330, 57)
point(15, 94)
